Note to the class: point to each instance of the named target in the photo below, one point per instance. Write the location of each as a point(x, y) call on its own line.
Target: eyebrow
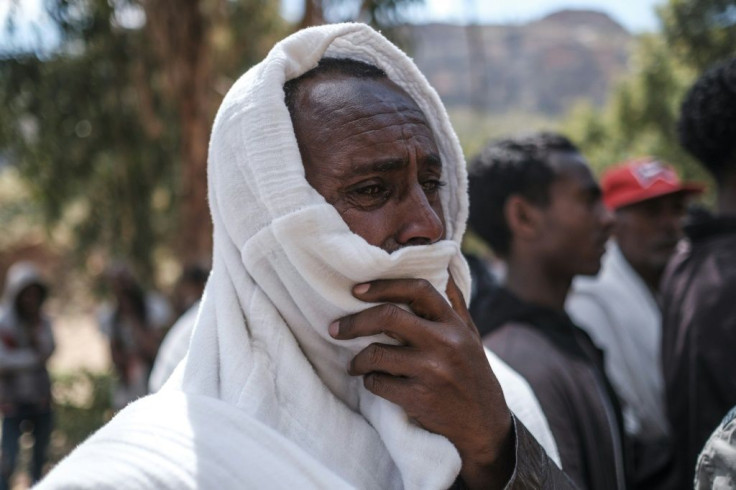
point(391, 164)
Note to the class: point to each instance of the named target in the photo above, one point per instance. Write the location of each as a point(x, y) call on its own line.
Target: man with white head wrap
point(302, 371)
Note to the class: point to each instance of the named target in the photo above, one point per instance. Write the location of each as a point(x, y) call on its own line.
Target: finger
point(455, 296)
point(405, 392)
point(393, 388)
point(387, 319)
point(418, 294)
point(388, 359)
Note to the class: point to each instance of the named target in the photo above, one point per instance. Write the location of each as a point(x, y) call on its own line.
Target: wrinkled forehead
point(330, 104)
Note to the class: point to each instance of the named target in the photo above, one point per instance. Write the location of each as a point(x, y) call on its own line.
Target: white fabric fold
point(283, 268)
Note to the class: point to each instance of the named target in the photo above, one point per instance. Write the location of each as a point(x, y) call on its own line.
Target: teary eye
point(432, 185)
point(370, 190)
point(369, 194)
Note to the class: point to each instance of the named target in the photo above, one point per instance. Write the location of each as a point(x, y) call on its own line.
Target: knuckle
point(373, 383)
point(425, 286)
point(375, 354)
point(345, 326)
point(423, 395)
point(392, 313)
point(439, 373)
point(454, 341)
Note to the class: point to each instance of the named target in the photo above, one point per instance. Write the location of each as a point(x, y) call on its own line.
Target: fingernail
point(334, 328)
point(362, 288)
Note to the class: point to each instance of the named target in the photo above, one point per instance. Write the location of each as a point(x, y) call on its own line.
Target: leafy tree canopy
point(100, 128)
point(641, 116)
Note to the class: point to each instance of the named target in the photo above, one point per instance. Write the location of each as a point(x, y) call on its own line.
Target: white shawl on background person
point(284, 265)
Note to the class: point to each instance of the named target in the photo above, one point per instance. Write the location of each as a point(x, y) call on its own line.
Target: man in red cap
point(620, 309)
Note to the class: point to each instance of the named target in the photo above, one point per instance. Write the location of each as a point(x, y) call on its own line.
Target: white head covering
point(284, 266)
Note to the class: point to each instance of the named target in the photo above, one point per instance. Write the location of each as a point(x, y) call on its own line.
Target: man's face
point(647, 232)
point(576, 224)
point(368, 149)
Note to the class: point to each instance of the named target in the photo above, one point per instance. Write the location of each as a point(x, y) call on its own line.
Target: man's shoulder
point(517, 342)
point(705, 270)
point(173, 440)
point(516, 329)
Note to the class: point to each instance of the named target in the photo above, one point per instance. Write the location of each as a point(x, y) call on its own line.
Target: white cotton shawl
point(283, 269)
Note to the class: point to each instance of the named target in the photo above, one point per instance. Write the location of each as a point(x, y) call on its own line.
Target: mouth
point(600, 245)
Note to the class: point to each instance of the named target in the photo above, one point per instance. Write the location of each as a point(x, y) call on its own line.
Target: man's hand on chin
point(438, 374)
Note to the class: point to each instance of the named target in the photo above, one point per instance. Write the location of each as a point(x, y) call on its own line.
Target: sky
point(32, 27)
point(635, 15)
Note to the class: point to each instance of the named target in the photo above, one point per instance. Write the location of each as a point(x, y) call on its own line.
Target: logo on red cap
point(641, 179)
point(648, 173)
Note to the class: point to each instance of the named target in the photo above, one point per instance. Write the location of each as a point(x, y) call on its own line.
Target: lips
point(600, 245)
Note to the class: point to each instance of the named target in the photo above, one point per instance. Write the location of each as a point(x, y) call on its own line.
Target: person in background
point(176, 343)
point(190, 286)
point(26, 343)
point(135, 325)
point(699, 284)
point(484, 286)
point(619, 308)
point(536, 203)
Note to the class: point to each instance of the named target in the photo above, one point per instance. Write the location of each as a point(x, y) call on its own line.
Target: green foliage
point(81, 406)
point(476, 128)
point(72, 129)
point(641, 116)
point(700, 32)
point(94, 128)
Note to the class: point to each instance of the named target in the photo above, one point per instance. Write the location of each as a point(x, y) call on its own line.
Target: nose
point(420, 223)
point(606, 220)
point(671, 220)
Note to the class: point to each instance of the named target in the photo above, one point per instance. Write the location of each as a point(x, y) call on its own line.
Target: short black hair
point(337, 66)
point(506, 167)
point(707, 126)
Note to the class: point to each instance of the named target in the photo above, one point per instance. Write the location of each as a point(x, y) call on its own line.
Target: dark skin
point(147, 340)
point(553, 243)
point(368, 149)
point(648, 232)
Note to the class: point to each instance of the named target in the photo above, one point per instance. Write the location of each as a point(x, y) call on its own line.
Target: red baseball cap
point(640, 179)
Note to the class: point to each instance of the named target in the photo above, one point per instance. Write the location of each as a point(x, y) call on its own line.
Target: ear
point(523, 217)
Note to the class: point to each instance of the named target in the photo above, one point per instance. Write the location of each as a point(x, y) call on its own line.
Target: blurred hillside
point(541, 67)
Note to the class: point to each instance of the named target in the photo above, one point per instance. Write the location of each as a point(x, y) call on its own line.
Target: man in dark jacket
point(536, 203)
point(699, 286)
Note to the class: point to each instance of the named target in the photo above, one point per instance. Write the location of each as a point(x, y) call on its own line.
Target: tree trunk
point(179, 31)
point(313, 14)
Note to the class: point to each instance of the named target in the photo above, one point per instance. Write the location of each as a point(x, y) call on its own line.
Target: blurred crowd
point(148, 335)
point(614, 299)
